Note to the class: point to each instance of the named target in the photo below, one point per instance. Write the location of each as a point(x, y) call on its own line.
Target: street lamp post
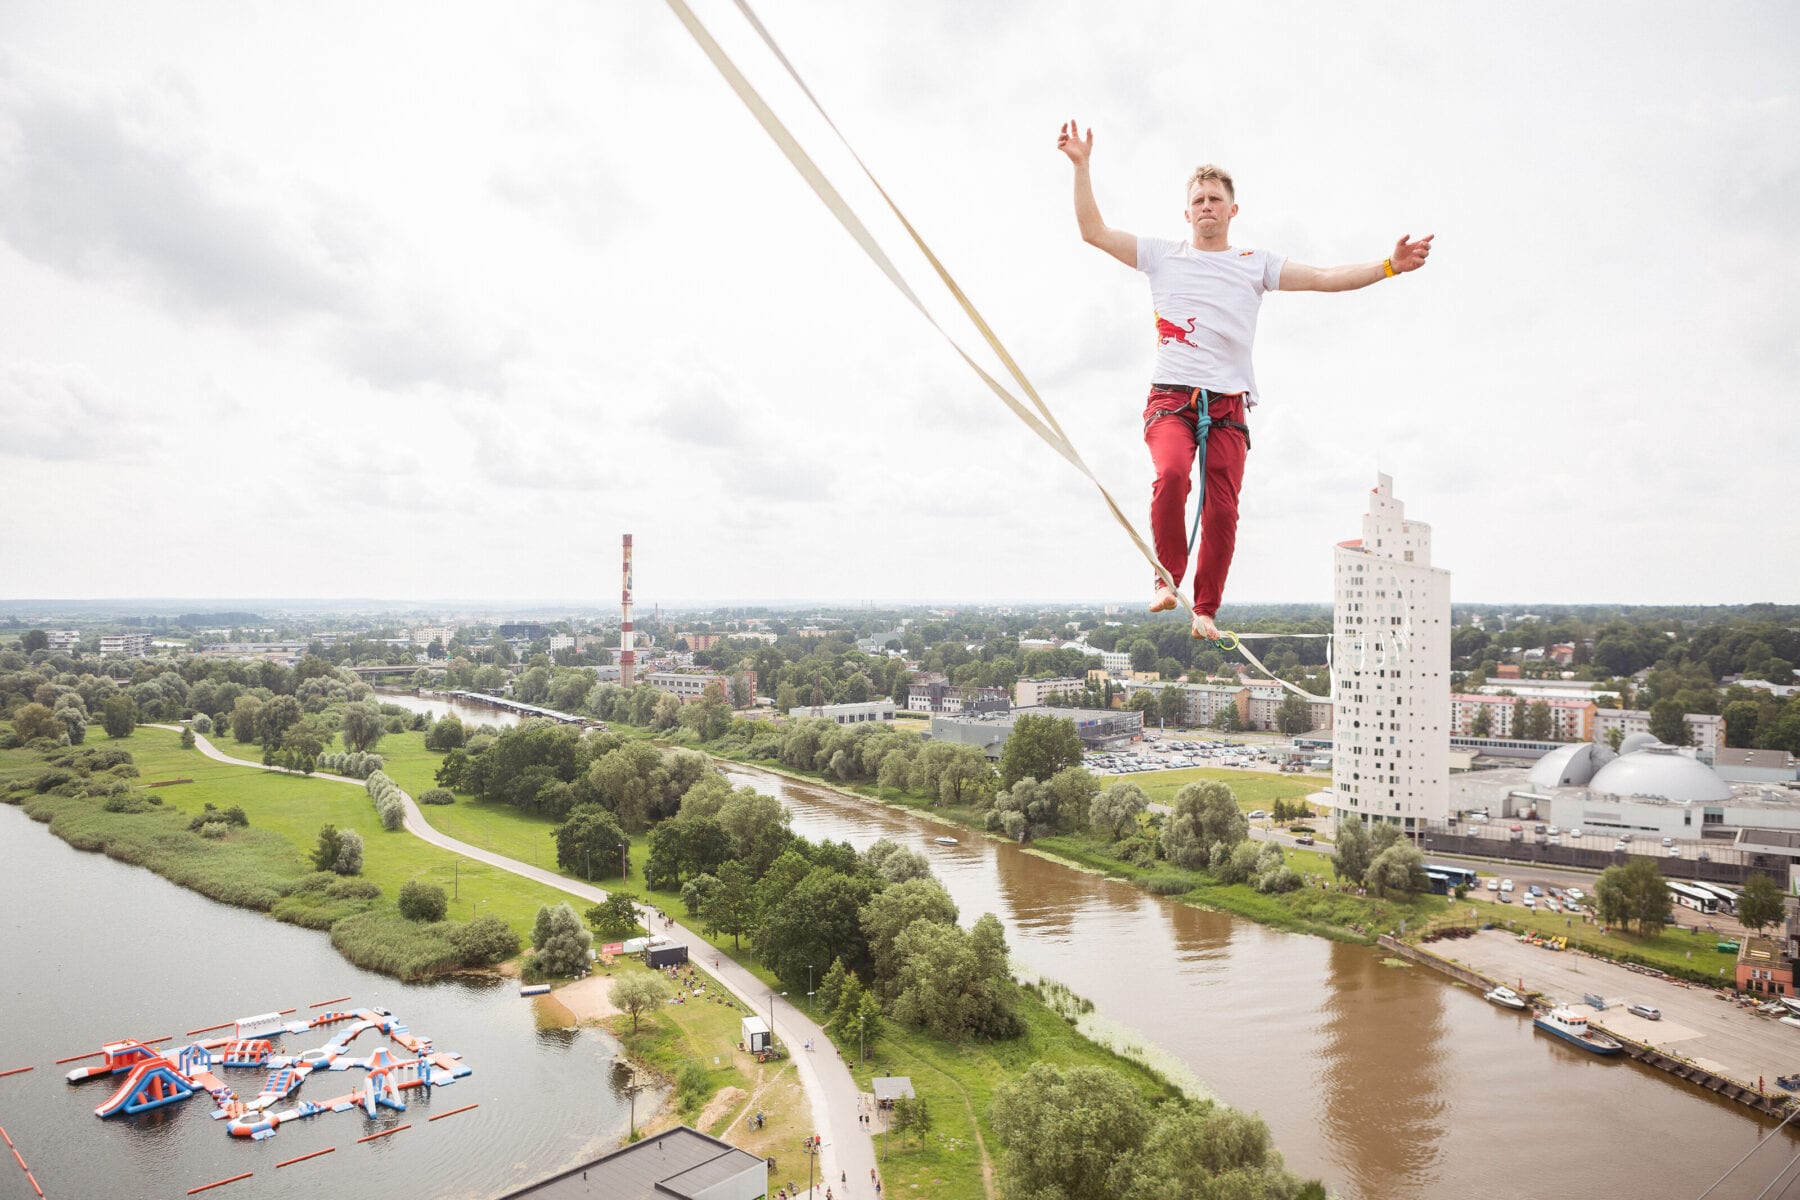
point(772, 994)
point(809, 987)
point(622, 870)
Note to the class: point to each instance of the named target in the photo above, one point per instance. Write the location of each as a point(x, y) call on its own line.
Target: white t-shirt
point(1206, 303)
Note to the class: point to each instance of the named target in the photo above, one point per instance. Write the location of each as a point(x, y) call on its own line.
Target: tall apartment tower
point(1391, 669)
point(627, 643)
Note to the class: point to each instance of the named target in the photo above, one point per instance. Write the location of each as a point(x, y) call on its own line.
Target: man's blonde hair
point(1209, 171)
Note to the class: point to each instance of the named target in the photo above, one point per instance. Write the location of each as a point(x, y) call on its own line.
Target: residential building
point(847, 714)
point(701, 641)
point(1706, 732)
point(1391, 621)
point(523, 631)
point(1116, 662)
point(1028, 693)
point(64, 639)
point(127, 645)
point(1571, 720)
point(424, 635)
point(1203, 702)
point(679, 1164)
point(1763, 967)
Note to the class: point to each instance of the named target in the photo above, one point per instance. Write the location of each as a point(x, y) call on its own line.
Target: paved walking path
point(848, 1152)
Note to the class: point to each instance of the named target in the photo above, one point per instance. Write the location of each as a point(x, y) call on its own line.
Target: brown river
point(1385, 1081)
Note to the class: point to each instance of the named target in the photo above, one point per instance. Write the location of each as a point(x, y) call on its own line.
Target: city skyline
point(330, 302)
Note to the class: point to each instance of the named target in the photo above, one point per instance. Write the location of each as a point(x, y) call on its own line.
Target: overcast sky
point(437, 300)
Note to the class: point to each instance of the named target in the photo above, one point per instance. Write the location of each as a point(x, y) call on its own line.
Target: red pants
point(1169, 432)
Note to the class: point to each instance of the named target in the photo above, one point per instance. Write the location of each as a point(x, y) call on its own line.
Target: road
point(848, 1151)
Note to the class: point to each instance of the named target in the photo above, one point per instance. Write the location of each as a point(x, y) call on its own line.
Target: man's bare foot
point(1204, 627)
point(1164, 599)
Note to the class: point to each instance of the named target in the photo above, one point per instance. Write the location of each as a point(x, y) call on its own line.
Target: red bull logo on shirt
point(1167, 331)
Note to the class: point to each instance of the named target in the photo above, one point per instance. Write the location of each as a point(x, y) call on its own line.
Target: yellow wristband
point(1387, 264)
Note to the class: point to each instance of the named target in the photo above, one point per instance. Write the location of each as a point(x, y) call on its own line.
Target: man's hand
point(1079, 149)
point(1410, 255)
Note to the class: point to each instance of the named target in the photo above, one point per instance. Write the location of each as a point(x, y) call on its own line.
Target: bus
point(1728, 899)
point(1447, 879)
point(1689, 896)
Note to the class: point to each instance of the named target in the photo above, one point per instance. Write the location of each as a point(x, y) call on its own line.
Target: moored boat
point(1505, 997)
point(945, 841)
point(1573, 1027)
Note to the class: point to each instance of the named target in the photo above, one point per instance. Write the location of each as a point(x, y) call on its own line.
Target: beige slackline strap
point(1042, 422)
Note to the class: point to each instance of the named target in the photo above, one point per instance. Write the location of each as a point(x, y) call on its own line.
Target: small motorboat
point(945, 841)
point(1505, 997)
point(1789, 1083)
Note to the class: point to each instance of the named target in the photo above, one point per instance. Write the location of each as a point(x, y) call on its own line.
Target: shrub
point(127, 802)
point(214, 829)
point(209, 815)
point(1167, 883)
point(422, 901)
point(383, 940)
point(438, 796)
point(389, 801)
point(484, 941)
point(559, 941)
point(340, 888)
point(693, 1085)
point(202, 724)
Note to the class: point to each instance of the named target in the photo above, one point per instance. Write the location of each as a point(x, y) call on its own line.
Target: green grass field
point(293, 808)
point(1253, 789)
point(1677, 950)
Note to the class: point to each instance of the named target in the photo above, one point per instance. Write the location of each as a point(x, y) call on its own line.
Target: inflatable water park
point(155, 1078)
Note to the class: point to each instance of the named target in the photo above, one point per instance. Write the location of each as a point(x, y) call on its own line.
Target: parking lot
point(1696, 1023)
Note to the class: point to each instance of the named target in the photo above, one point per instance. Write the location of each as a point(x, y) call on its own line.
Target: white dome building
point(1570, 766)
point(1658, 772)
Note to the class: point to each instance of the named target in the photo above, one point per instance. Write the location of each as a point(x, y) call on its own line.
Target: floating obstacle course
point(154, 1079)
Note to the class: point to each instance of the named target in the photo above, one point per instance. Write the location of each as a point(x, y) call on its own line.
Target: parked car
point(1645, 1011)
point(1517, 829)
point(1530, 901)
point(1506, 897)
point(1673, 851)
point(1539, 829)
point(1506, 885)
point(1575, 832)
point(1305, 839)
point(1534, 890)
point(1619, 845)
point(1668, 841)
point(1257, 814)
point(1575, 894)
point(1554, 831)
point(1626, 838)
point(1493, 885)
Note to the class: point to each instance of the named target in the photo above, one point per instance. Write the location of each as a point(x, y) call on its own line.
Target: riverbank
point(1701, 1037)
point(1318, 909)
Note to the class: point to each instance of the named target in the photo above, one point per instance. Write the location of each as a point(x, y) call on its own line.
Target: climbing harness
point(1041, 421)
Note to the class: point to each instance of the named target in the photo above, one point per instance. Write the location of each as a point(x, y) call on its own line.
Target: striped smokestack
point(627, 655)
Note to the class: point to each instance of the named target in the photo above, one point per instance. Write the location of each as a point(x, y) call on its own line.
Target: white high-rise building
point(1392, 671)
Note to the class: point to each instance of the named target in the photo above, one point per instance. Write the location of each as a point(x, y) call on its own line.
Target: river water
point(472, 715)
point(95, 951)
point(1385, 1081)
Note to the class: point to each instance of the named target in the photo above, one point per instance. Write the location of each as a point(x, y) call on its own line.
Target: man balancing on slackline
point(1206, 294)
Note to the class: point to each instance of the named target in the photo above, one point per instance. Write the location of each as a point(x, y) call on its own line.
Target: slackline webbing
point(1041, 422)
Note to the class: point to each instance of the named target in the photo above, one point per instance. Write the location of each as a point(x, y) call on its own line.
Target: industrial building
point(1098, 728)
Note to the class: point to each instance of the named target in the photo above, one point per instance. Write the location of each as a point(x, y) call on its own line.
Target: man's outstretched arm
point(1408, 256)
point(1094, 231)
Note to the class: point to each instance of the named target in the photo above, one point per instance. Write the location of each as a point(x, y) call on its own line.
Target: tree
point(349, 859)
point(1293, 716)
point(1143, 655)
point(325, 854)
point(559, 941)
point(637, 994)
point(37, 721)
point(614, 917)
point(812, 922)
point(1482, 725)
point(732, 907)
point(1351, 858)
point(1039, 746)
point(1537, 721)
point(422, 901)
point(1143, 700)
point(1668, 724)
point(1398, 870)
point(1171, 705)
point(119, 715)
point(275, 718)
point(954, 982)
point(1760, 904)
point(1615, 737)
point(894, 862)
point(910, 1117)
point(1204, 814)
point(891, 912)
point(447, 734)
point(1115, 810)
point(362, 725)
point(588, 842)
point(34, 640)
point(244, 713)
point(1633, 894)
point(1066, 1132)
point(1518, 718)
point(1228, 720)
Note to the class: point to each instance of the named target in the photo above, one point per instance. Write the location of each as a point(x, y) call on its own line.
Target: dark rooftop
point(675, 1165)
